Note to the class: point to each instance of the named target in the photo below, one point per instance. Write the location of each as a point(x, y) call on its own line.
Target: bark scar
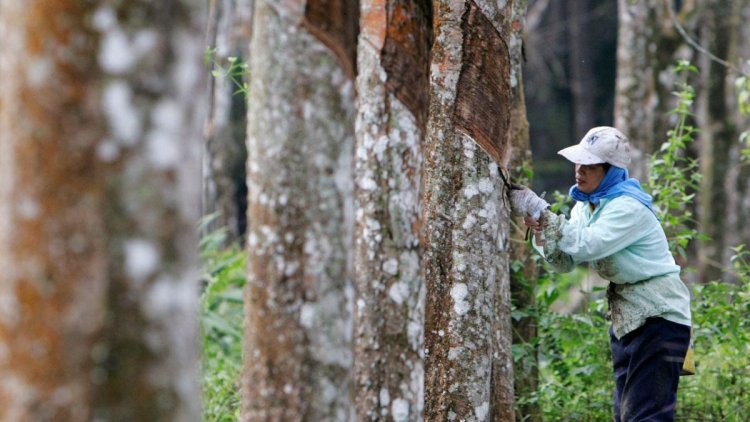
point(482, 108)
point(336, 24)
point(406, 54)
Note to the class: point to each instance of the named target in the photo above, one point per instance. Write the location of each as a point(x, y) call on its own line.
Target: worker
point(614, 228)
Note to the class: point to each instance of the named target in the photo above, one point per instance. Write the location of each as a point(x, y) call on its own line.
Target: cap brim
point(578, 155)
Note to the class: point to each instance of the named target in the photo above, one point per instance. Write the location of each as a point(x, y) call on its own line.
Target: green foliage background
point(222, 316)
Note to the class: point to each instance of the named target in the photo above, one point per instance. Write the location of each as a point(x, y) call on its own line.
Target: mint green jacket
point(624, 242)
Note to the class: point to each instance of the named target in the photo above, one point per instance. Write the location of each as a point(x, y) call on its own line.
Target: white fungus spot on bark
point(471, 191)
point(398, 292)
point(385, 397)
point(453, 353)
point(291, 268)
point(288, 389)
point(400, 410)
point(459, 292)
point(28, 208)
point(39, 71)
point(142, 258)
point(123, 117)
point(164, 139)
point(307, 315)
point(168, 297)
point(482, 411)
point(415, 334)
point(486, 185)
point(107, 151)
point(380, 146)
point(469, 222)
point(367, 184)
point(391, 266)
point(104, 18)
point(118, 53)
point(469, 153)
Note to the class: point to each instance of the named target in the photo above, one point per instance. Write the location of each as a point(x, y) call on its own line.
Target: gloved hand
point(523, 201)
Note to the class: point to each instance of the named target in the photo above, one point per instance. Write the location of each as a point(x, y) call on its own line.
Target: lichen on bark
point(297, 344)
point(466, 224)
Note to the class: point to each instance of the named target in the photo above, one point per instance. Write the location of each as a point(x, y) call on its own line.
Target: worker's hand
point(523, 201)
point(536, 227)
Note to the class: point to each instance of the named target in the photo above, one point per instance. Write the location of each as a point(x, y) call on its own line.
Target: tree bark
point(646, 46)
point(393, 63)
point(298, 298)
point(716, 137)
point(224, 188)
point(523, 271)
point(468, 374)
point(99, 199)
point(738, 177)
point(583, 86)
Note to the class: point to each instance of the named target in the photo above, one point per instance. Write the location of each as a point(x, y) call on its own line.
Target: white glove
point(523, 201)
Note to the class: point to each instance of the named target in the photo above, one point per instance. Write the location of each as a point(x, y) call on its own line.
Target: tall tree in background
point(720, 34)
point(224, 189)
point(738, 177)
point(468, 374)
point(100, 194)
point(583, 84)
point(393, 87)
point(298, 298)
point(647, 45)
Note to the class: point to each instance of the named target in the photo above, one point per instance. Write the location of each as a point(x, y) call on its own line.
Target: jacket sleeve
point(616, 228)
point(555, 257)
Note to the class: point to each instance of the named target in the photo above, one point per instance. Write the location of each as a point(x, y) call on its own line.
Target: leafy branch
point(674, 176)
point(235, 70)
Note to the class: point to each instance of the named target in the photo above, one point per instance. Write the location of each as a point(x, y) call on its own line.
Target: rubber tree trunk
point(646, 46)
point(717, 137)
point(393, 88)
point(583, 85)
point(523, 272)
point(100, 193)
point(738, 177)
point(225, 155)
point(298, 338)
point(468, 373)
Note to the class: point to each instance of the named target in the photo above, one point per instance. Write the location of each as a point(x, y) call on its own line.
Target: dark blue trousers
point(647, 364)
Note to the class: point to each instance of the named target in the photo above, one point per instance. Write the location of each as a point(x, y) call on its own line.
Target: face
point(589, 176)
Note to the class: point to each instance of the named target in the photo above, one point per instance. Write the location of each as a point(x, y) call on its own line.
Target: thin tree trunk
point(583, 86)
point(298, 298)
point(646, 46)
point(393, 86)
point(468, 374)
point(716, 136)
point(100, 196)
point(738, 178)
point(224, 189)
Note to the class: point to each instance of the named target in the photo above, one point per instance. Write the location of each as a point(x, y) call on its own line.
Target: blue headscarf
point(615, 183)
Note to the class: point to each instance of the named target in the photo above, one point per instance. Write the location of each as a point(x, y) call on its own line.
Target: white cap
point(601, 144)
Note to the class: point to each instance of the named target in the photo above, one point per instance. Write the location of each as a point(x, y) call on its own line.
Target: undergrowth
point(221, 327)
